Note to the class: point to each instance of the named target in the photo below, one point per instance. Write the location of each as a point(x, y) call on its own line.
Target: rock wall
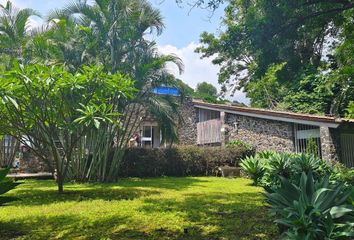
point(330, 143)
point(30, 163)
point(262, 133)
point(187, 129)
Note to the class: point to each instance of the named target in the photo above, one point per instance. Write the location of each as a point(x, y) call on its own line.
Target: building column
point(223, 128)
point(328, 144)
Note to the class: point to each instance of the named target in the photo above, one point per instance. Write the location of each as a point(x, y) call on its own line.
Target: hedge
point(180, 161)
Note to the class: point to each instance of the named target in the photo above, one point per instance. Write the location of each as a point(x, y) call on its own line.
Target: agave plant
point(310, 163)
point(265, 154)
point(313, 209)
point(254, 168)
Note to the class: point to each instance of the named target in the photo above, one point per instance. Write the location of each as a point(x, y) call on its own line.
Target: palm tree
point(118, 26)
point(118, 30)
point(14, 29)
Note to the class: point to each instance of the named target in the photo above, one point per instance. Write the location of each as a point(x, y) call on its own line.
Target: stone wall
point(30, 163)
point(187, 129)
point(262, 133)
point(330, 143)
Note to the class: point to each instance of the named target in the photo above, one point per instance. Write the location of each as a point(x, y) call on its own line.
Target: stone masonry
point(262, 133)
point(329, 143)
point(187, 130)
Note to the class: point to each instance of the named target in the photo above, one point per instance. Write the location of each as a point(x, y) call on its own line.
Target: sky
point(183, 26)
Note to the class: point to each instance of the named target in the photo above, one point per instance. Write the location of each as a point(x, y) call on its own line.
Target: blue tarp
point(166, 91)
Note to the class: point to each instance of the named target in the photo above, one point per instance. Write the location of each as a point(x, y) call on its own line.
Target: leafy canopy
point(268, 48)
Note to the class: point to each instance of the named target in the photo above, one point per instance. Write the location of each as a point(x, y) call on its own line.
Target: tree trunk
point(60, 184)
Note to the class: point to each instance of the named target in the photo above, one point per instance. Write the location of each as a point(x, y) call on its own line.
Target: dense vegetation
point(151, 209)
point(181, 161)
point(310, 198)
point(294, 55)
point(109, 37)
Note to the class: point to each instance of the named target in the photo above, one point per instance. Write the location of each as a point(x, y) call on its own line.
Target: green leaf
point(340, 211)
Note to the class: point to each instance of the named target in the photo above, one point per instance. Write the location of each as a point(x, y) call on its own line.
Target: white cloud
point(197, 70)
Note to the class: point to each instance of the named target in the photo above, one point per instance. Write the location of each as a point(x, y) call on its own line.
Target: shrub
point(313, 209)
point(180, 161)
point(238, 143)
point(342, 173)
point(253, 167)
point(290, 166)
point(6, 184)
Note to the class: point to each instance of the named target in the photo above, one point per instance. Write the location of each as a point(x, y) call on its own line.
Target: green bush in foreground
point(313, 209)
point(311, 198)
point(253, 168)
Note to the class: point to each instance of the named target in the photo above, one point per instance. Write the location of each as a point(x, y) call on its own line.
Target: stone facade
point(330, 143)
point(262, 133)
point(30, 163)
point(187, 130)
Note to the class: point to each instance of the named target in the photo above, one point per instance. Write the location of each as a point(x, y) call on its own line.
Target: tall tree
point(116, 30)
point(54, 110)
point(14, 31)
point(205, 88)
point(263, 34)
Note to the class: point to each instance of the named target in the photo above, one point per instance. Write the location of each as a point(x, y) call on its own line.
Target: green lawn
point(164, 208)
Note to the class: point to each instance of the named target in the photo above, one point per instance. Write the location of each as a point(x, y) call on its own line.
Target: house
point(216, 124)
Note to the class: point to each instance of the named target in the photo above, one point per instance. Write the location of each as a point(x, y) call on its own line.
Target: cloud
point(197, 70)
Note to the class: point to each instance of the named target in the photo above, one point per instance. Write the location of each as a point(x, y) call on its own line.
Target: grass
point(192, 208)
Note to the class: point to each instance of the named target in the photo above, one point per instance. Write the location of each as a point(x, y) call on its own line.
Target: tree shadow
point(126, 189)
point(173, 183)
point(236, 215)
point(47, 196)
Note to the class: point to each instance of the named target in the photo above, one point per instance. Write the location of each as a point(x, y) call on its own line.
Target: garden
point(75, 91)
point(156, 208)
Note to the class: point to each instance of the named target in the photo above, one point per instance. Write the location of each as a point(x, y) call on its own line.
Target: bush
point(6, 184)
point(253, 168)
point(310, 198)
point(238, 143)
point(313, 209)
point(288, 165)
point(342, 173)
point(180, 161)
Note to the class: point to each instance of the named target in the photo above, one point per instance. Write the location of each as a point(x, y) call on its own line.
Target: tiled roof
point(272, 113)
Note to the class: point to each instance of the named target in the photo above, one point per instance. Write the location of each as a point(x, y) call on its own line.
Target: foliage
point(54, 108)
point(350, 110)
point(239, 143)
point(111, 34)
point(180, 161)
point(313, 209)
point(287, 54)
point(6, 184)
point(343, 174)
point(310, 198)
point(205, 88)
point(159, 208)
point(14, 32)
point(287, 165)
point(254, 168)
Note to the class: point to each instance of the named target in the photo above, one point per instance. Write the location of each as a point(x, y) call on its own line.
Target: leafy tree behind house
point(293, 38)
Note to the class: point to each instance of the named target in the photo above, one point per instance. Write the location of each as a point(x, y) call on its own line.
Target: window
point(150, 136)
point(307, 139)
point(205, 115)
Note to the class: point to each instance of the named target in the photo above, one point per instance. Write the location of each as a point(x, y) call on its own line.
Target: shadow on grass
point(48, 196)
point(71, 227)
point(44, 192)
point(235, 215)
point(171, 183)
